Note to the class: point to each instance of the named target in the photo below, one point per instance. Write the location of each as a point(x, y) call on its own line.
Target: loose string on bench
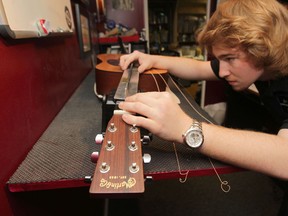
point(225, 187)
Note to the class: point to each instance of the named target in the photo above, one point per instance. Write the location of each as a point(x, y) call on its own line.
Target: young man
point(249, 40)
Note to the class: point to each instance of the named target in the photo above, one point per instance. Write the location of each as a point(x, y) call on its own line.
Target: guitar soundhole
point(114, 62)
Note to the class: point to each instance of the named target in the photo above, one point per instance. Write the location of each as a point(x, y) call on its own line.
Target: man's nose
point(223, 71)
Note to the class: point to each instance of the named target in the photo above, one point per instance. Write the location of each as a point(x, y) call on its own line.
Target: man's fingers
point(139, 121)
point(137, 107)
point(147, 97)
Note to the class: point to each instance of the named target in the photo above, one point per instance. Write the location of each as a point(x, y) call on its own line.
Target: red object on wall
point(125, 39)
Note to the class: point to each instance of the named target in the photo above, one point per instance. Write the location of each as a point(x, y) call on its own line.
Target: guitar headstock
point(119, 168)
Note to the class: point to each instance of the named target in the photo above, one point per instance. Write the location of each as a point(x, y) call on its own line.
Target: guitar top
point(110, 62)
point(108, 75)
point(119, 168)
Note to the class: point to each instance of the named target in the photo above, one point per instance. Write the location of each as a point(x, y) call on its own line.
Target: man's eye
point(229, 59)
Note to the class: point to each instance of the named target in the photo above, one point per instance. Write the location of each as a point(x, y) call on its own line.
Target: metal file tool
point(128, 84)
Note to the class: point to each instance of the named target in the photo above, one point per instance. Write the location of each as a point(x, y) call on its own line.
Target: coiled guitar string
point(225, 187)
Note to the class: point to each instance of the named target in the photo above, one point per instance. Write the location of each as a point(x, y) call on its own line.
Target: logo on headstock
point(131, 182)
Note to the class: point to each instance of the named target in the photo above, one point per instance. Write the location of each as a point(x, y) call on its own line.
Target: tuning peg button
point(148, 178)
point(88, 179)
point(94, 157)
point(146, 158)
point(146, 140)
point(99, 138)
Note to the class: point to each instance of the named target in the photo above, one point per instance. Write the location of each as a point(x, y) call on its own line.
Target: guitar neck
point(119, 169)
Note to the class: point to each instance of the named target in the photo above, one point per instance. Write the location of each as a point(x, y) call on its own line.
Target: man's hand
point(159, 113)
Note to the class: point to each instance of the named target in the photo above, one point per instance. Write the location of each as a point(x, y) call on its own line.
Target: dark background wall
point(130, 18)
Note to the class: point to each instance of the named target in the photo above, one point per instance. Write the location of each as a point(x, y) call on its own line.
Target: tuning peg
point(146, 139)
point(110, 146)
point(94, 157)
point(104, 168)
point(146, 158)
point(134, 168)
point(148, 178)
point(88, 179)
point(112, 128)
point(134, 129)
point(133, 146)
point(99, 138)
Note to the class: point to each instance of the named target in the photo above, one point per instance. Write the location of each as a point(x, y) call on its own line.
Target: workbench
point(61, 156)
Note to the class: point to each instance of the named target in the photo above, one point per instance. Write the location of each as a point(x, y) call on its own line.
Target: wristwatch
point(193, 137)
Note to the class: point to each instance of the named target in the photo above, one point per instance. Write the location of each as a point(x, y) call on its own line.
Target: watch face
point(194, 138)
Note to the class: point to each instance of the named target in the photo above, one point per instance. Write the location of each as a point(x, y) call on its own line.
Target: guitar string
point(182, 173)
point(225, 187)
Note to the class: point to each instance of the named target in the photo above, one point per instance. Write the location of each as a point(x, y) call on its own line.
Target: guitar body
point(119, 168)
point(108, 75)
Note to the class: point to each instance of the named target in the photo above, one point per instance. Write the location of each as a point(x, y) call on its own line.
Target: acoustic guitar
point(108, 75)
point(119, 168)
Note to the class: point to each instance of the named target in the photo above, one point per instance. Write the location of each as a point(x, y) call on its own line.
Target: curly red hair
point(258, 27)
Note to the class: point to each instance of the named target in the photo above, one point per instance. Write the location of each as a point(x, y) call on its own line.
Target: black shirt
point(273, 94)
